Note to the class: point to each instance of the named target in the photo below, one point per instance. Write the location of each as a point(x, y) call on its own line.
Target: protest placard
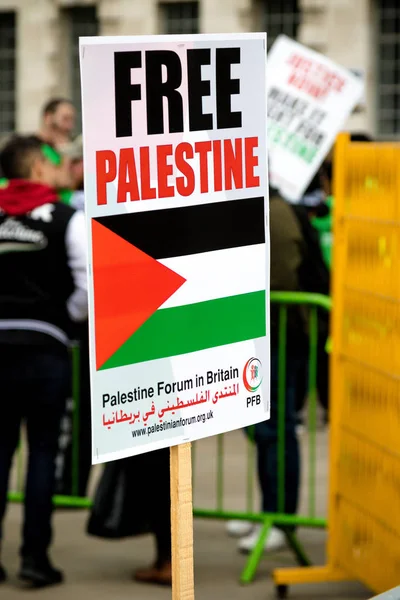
point(309, 99)
point(174, 132)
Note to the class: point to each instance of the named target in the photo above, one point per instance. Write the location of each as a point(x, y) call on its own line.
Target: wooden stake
point(182, 522)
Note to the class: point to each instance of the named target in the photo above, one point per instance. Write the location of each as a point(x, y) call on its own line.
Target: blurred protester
point(290, 262)
point(43, 254)
point(57, 125)
point(58, 122)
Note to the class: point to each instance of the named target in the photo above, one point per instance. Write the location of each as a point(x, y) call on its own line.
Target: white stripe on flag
point(218, 274)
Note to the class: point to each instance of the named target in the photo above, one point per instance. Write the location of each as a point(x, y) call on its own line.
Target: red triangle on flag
point(129, 286)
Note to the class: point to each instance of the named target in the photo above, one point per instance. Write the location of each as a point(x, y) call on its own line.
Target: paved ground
point(98, 570)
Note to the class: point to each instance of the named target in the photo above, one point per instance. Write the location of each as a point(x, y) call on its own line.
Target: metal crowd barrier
point(288, 522)
point(314, 303)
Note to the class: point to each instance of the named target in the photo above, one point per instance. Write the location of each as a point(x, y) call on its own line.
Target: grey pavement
point(102, 570)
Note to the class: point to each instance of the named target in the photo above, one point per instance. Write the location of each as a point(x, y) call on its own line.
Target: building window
point(81, 21)
point(388, 103)
point(179, 17)
point(278, 16)
point(7, 71)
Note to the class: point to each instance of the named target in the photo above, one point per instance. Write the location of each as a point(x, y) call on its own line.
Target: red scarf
point(19, 196)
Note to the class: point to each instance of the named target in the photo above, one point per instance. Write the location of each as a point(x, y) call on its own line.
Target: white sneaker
point(276, 540)
point(239, 528)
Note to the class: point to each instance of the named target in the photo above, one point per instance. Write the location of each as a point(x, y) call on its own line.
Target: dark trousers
point(266, 438)
point(34, 385)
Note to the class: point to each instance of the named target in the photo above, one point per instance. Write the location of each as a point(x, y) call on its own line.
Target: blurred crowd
point(44, 307)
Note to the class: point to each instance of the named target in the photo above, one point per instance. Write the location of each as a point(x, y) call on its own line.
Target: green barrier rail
point(313, 302)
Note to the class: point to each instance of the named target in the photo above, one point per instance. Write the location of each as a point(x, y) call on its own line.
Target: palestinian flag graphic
point(168, 282)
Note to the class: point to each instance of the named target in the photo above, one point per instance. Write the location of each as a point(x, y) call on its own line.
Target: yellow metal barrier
point(364, 511)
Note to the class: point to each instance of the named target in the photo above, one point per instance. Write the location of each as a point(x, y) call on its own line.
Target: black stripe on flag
point(192, 229)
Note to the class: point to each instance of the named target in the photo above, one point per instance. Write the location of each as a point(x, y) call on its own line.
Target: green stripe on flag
point(182, 329)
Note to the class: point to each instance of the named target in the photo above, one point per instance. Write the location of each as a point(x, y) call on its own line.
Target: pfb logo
point(252, 375)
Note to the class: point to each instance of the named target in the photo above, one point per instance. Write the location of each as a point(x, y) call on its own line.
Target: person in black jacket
point(42, 291)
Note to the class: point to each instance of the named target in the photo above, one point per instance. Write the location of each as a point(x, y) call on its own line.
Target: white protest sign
point(174, 131)
point(309, 100)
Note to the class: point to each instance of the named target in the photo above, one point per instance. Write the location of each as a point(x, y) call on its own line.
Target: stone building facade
point(39, 50)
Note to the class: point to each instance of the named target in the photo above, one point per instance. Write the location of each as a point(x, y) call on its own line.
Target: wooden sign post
point(182, 522)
